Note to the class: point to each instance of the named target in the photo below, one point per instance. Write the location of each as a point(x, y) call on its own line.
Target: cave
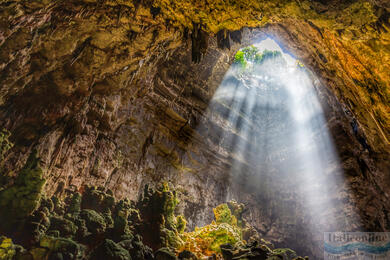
point(139, 129)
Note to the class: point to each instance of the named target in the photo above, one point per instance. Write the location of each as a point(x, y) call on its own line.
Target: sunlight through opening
point(275, 125)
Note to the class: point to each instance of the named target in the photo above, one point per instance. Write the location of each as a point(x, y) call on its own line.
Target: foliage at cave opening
point(252, 55)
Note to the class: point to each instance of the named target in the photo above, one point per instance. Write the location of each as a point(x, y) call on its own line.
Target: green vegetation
point(94, 225)
point(223, 214)
point(252, 55)
point(207, 240)
point(7, 249)
point(181, 223)
point(157, 211)
point(24, 196)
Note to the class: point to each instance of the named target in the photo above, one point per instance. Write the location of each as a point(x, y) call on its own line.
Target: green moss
point(7, 249)
point(157, 212)
point(110, 250)
point(108, 219)
point(284, 253)
point(237, 210)
point(54, 244)
point(65, 226)
point(206, 240)
point(94, 221)
point(222, 234)
point(180, 224)
point(170, 238)
point(224, 215)
point(24, 196)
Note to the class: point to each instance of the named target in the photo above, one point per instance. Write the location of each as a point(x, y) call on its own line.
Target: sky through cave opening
point(279, 145)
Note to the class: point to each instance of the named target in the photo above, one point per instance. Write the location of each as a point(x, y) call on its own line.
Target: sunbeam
point(269, 103)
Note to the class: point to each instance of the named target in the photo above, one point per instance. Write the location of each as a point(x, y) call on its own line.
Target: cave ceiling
point(345, 42)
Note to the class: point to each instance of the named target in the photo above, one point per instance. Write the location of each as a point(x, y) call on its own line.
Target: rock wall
point(112, 93)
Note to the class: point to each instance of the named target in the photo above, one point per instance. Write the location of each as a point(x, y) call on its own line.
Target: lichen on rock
point(22, 198)
point(69, 228)
point(7, 249)
point(206, 241)
point(157, 212)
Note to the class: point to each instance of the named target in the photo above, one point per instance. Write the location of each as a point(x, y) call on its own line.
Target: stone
point(187, 255)
point(65, 227)
point(157, 213)
point(24, 196)
point(110, 250)
point(164, 254)
point(93, 221)
point(137, 249)
point(97, 200)
point(61, 247)
point(75, 204)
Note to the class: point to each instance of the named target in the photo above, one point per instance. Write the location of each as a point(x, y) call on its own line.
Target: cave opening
point(273, 124)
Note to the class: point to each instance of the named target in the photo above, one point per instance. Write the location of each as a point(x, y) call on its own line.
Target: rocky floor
point(93, 224)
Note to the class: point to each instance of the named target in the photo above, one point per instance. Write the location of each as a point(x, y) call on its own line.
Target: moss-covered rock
point(256, 250)
point(96, 199)
point(137, 249)
point(223, 214)
point(237, 210)
point(58, 206)
point(24, 196)
point(94, 221)
point(245, 251)
point(283, 253)
point(58, 247)
point(61, 229)
point(7, 249)
point(206, 241)
point(165, 254)
point(110, 250)
point(65, 226)
point(181, 224)
point(157, 208)
point(74, 204)
point(47, 203)
point(187, 255)
point(121, 217)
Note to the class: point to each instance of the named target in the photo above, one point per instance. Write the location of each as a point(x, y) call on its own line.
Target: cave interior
point(163, 129)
